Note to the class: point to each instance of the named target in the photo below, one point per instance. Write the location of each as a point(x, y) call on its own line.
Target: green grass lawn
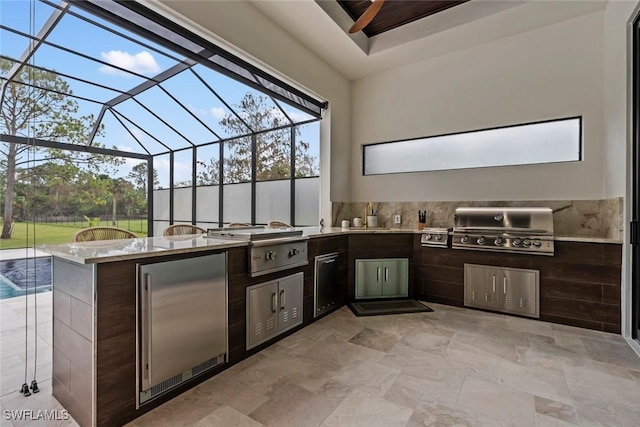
point(24, 233)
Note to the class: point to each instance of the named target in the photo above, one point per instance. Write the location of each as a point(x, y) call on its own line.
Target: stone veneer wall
point(571, 218)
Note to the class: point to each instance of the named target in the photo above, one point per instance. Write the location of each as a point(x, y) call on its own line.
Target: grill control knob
point(517, 242)
point(464, 239)
point(498, 241)
point(526, 243)
point(429, 237)
point(480, 240)
point(537, 243)
point(294, 251)
point(439, 237)
point(271, 255)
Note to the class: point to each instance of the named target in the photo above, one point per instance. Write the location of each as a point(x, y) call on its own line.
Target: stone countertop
point(102, 251)
point(336, 231)
point(97, 252)
point(316, 232)
point(587, 239)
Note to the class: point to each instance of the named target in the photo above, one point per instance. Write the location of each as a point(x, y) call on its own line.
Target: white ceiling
point(321, 25)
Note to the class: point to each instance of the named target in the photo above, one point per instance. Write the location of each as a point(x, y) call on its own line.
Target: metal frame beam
point(34, 44)
point(165, 32)
point(71, 147)
point(254, 167)
point(194, 202)
point(156, 80)
point(293, 177)
point(222, 100)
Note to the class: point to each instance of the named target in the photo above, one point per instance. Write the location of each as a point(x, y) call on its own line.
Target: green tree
point(138, 176)
point(35, 105)
point(273, 148)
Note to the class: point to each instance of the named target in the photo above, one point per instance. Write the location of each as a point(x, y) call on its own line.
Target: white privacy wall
point(551, 72)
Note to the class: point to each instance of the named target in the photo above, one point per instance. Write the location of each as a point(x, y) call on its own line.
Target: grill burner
point(517, 230)
point(435, 237)
point(270, 250)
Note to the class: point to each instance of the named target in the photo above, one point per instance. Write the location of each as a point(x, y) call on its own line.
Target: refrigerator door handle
point(149, 342)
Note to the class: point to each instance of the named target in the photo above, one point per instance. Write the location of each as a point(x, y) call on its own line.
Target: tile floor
point(450, 367)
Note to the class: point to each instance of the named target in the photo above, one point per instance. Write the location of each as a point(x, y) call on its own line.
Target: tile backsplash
point(573, 218)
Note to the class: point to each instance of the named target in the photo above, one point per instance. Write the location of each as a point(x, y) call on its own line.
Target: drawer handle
point(282, 296)
point(504, 285)
point(378, 273)
point(273, 302)
point(493, 282)
point(386, 274)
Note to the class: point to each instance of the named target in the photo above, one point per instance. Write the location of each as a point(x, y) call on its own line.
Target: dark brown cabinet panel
point(372, 246)
point(579, 285)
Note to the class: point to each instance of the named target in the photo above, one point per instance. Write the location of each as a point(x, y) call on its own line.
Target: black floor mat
point(391, 306)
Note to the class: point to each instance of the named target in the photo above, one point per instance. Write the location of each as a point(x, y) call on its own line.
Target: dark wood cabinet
point(378, 245)
point(579, 285)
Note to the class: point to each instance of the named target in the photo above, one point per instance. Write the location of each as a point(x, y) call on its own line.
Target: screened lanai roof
point(152, 86)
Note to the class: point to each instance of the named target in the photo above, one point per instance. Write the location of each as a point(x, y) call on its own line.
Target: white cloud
point(298, 116)
point(126, 148)
point(141, 62)
point(218, 112)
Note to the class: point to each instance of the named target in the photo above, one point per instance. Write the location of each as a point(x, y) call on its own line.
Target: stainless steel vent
point(159, 389)
point(206, 365)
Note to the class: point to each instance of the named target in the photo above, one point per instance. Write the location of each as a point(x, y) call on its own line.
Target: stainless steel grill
point(503, 229)
point(270, 250)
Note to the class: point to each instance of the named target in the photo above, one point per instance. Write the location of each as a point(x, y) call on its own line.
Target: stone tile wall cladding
point(572, 218)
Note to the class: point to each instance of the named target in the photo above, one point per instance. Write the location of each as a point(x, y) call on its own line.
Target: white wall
point(240, 27)
point(617, 129)
point(617, 95)
point(551, 72)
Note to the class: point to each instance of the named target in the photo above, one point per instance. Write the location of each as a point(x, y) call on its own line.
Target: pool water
point(21, 276)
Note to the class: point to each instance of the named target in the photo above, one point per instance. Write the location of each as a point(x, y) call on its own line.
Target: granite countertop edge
point(149, 247)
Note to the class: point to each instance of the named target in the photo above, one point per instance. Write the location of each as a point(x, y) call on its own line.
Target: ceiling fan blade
point(366, 17)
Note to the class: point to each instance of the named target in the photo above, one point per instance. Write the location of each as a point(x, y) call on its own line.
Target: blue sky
point(94, 42)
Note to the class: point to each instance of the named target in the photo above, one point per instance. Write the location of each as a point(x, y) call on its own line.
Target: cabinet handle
point(493, 282)
point(147, 277)
point(273, 302)
point(282, 296)
point(504, 284)
point(386, 274)
point(378, 273)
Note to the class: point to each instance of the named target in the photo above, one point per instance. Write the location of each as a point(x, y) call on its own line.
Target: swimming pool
point(20, 276)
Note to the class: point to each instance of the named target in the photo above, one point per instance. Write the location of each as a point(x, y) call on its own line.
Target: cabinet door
point(480, 286)
point(290, 293)
point(183, 316)
point(520, 291)
point(368, 278)
point(262, 311)
point(395, 278)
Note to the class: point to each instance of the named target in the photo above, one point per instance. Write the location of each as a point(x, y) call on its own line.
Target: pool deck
point(8, 254)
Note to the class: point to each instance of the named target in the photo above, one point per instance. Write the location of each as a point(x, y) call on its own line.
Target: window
point(532, 143)
point(226, 141)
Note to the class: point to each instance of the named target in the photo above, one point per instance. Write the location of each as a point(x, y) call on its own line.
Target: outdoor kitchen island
point(96, 316)
point(95, 301)
point(95, 319)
